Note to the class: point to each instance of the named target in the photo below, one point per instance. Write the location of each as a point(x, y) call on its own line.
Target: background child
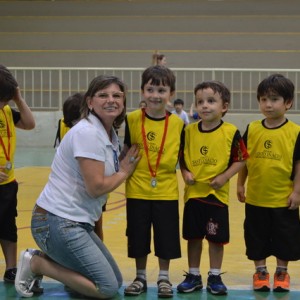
point(272, 224)
point(9, 119)
point(178, 105)
point(71, 115)
point(152, 190)
point(213, 152)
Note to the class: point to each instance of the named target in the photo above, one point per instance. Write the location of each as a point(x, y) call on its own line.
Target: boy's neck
point(273, 123)
point(206, 126)
point(156, 114)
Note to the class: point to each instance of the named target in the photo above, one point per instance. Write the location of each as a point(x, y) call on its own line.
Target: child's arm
point(294, 198)
point(221, 179)
point(242, 176)
point(187, 176)
point(27, 119)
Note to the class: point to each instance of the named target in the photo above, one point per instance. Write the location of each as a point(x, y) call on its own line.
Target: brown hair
point(8, 84)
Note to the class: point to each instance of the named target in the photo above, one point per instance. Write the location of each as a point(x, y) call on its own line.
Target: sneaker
point(138, 286)
point(215, 285)
point(164, 289)
point(261, 281)
point(281, 282)
point(37, 287)
point(25, 278)
point(10, 275)
point(191, 283)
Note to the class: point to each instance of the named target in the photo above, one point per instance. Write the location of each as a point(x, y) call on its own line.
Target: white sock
point(215, 271)
point(163, 275)
point(141, 274)
point(194, 271)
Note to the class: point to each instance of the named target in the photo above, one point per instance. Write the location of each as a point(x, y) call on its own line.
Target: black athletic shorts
point(8, 211)
point(272, 231)
point(206, 218)
point(163, 217)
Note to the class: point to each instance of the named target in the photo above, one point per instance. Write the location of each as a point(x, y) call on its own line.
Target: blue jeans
point(76, 246)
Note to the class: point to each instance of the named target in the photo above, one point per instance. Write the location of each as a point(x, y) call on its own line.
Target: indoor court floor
point(32, 170)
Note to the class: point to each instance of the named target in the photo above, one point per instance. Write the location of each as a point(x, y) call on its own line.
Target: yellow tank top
point(7, 125)
point(138, 186)
point(270, 163)
point(206, 155)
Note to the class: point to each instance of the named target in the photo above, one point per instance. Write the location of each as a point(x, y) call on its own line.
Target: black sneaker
point(191, 283)
point(10, 275)
point(215, 285)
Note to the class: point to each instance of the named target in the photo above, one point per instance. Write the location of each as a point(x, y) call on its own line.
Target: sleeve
point(238, 149)
point(245, 136)
point(16, 116)
point(296, 156)
point(127, 141)
point(297, 149)
point(87, 143)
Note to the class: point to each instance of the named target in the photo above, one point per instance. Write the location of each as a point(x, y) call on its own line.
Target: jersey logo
point(204, 150)
point(151, 136)
point(2, 124)
point(268, 144)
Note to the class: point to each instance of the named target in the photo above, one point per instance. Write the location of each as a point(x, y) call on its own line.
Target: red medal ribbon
point(153, 172)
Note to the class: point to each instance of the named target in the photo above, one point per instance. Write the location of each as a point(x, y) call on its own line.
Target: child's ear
point(225, 107)
point(288, 104)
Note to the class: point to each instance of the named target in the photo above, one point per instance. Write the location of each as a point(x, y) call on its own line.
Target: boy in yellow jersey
point(272, 225)
point(9, 119)
point(152, 190)
point(71, 115)
point(213, 152)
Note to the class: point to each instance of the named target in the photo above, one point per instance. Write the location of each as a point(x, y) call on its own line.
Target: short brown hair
point(8, 84)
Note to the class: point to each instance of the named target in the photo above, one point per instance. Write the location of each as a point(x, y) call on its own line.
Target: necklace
point(153, 172)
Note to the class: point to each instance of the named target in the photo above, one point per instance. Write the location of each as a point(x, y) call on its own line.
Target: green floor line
point(56, 291)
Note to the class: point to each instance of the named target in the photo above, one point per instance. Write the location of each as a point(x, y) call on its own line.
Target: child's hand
point(241, 193)
point(17, 96)
point(3, 175)
point(294, 200)
point(218, 181)
point(188, 177)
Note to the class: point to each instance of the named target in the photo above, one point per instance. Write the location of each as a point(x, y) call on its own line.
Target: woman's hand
point(130, 160)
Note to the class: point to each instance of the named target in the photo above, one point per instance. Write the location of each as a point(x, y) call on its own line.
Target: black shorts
point(8, 211)
point(206, 218)
point(163, 216)
point(272, 231)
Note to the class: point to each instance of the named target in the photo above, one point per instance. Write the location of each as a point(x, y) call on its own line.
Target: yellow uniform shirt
point(206, 155)
point(138, 185)
point(7, 126)
point(270, 164)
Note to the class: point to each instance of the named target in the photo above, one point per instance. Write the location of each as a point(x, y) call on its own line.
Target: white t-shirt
point(65, 194)
point(183, 115)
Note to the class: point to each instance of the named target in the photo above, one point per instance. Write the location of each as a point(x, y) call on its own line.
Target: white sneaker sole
point(20, 291)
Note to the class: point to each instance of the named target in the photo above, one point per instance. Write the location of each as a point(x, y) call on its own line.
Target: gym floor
point(32, 170)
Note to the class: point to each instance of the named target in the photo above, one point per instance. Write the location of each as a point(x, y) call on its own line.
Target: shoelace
point(280, 276)
point(262, 275)
point(29, 283)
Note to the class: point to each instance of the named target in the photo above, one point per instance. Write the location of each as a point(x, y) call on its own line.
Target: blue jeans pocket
point(40, 230)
